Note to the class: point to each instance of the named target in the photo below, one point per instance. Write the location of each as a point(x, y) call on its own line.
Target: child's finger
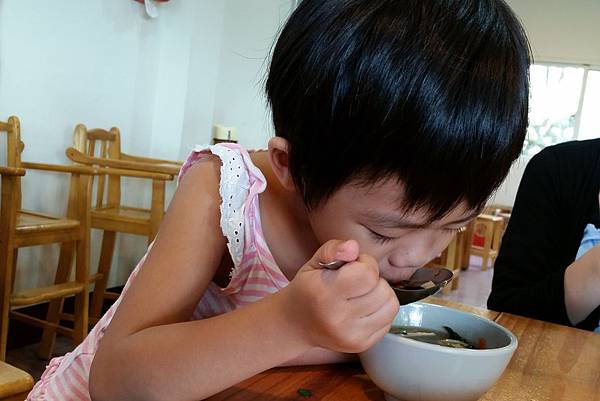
point(334, 250)
point(371, 302)
point(358, 278)
point(382, 317)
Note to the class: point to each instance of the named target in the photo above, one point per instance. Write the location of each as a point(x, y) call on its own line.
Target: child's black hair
point(433, 93)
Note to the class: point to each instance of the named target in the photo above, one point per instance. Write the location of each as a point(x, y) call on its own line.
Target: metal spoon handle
point(336, 264)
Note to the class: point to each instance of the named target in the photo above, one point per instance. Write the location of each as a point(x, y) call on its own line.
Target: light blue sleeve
point(591, 238)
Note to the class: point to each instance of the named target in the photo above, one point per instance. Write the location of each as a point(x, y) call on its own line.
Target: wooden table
point(552, 363)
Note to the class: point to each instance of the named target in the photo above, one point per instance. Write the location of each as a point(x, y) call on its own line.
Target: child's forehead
point(368, 199)
point(383, 202)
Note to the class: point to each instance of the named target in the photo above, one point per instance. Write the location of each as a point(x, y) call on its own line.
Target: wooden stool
point(15, 383)
point(490, 229)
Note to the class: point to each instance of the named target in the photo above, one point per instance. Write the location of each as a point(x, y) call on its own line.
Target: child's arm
point(321, 356)
point(151, 351)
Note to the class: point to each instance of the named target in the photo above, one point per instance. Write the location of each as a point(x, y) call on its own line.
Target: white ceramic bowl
point(409, 370)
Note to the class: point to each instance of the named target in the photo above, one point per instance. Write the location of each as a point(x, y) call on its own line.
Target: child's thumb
point(334, 250)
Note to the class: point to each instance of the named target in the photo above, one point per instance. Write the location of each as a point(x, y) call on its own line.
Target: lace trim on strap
point(234, 189)
point(241, 181)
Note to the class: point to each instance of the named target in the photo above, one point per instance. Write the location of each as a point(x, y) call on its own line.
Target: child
point(394, 121)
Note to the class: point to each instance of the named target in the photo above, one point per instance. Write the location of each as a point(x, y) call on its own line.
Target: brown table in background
point(552, 363)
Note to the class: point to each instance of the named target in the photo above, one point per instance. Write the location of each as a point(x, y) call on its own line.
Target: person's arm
point(151, 351)
point(582, 286)
point(529, 271)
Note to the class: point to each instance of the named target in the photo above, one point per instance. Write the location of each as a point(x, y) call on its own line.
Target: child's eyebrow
point(395, 221)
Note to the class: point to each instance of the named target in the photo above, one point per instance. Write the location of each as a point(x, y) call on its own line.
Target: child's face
point(400, 242)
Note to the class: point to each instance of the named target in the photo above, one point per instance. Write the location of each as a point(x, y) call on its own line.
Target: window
point(564, 105)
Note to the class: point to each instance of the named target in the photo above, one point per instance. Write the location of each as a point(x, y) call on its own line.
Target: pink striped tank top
point(254, 273)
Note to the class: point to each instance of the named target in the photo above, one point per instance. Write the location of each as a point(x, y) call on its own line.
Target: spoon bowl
point(416, 288)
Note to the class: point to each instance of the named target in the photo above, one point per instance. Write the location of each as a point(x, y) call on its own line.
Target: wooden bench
point(15, 383)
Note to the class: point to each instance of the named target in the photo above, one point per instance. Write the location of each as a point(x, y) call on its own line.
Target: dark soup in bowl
point(446, 337)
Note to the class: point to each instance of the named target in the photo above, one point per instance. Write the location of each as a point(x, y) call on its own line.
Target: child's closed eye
point(379, 237)
point(456, 230)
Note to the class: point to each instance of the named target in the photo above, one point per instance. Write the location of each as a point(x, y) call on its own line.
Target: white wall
point(250, 30)
point(105, 63)
point(505, 195)
point(202, 75)
point(562, 30)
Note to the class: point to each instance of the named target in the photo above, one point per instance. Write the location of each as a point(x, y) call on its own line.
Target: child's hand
point(346, 310)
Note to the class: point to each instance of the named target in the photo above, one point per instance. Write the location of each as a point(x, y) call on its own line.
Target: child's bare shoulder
point(204, 168)
point(203, 175)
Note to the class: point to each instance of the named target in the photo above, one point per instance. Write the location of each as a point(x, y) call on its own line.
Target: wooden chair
point(465, 243)
point(490, 229)
point(15, 383)
point(102, 148)
point(22, 228)
point(502, 211)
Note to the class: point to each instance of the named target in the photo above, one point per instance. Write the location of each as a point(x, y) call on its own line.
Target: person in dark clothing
point(536, 273)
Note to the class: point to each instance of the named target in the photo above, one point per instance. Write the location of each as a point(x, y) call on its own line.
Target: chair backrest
point(14, 148)
point(105, 144)
point(14, 145)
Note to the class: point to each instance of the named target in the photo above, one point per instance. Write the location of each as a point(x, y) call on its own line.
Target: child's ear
point(279, 158)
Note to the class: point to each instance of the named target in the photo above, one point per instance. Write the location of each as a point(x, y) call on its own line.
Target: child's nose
point(416, 253)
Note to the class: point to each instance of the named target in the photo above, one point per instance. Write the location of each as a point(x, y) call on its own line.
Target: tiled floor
point(473, 290)
point(26, 359)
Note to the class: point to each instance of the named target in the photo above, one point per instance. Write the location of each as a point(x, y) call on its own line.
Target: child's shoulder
point(198, 187)
point(203, 170)
point(228, 176)
point(232, 160)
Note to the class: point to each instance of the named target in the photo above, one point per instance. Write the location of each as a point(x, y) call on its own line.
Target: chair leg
point(55, 307)
point(497, 238)
point(467, 244)
point(487, 246)
point(14, 266)
point(6, 268)
point(454, 284)
point(106, 254)
point(82, 299)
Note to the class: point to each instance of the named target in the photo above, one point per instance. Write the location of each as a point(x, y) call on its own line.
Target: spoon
point(411, 290)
